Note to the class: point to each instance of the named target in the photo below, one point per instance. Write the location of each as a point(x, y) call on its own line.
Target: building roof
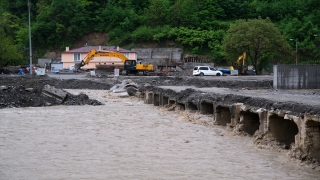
point(86, 49)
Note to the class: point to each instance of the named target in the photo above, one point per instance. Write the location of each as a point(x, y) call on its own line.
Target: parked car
point(206, 71)
point(225, 71)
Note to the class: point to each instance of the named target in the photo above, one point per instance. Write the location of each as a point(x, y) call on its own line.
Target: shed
point(56, 65)
point(43, 61)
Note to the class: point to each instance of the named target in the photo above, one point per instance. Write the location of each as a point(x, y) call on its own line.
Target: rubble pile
point(128, 87)
point(21, 96)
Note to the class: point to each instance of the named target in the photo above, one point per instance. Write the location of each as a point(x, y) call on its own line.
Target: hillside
point(96, 39)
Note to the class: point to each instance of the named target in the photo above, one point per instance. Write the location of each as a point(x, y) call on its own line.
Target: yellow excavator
point(129, 66)
point(241, 65)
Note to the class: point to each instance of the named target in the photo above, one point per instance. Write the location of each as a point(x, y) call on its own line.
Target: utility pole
point(30, 47)
point(296, 50)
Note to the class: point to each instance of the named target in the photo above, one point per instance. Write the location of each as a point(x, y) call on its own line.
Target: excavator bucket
point(77, 66)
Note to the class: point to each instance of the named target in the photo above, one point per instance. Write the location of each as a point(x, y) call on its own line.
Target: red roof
point(86, 49)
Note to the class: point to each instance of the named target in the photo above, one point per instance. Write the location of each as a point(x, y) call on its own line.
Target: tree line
point(200, 27)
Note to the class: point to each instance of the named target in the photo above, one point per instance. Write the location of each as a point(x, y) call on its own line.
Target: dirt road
point(126, 139)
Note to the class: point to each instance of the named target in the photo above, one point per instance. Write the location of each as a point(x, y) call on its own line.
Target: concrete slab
point(51, 91)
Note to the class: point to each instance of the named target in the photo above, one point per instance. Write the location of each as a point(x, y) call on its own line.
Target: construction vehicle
point(240, 65)
point(128, 66)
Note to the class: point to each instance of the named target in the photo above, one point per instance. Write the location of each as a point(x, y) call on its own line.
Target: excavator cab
point(130, 66)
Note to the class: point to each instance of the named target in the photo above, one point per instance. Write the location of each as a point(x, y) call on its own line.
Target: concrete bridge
point(273, 119)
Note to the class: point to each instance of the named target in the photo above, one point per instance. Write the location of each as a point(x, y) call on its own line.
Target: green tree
point(235, 9)
point(208, 12)
point(61, 23)
point(183, 13)
point(118, 15)
point(259, 38)
point(158, 13)
point(9, 54)
point(196, 14)
point(198, 41)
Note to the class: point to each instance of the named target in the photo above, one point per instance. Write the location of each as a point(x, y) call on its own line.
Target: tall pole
point(30, 39)
point(296, 51)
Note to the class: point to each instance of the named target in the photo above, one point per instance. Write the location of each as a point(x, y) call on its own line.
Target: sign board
point(116, 72)
point(234, 73)
point(92, 73)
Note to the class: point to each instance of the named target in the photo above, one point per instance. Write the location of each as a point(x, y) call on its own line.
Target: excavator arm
point(241, 60)
point(94, 53)
point(241, 64)
point(130, 66)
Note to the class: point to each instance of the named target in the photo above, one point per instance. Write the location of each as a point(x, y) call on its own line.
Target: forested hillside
point(198, 26)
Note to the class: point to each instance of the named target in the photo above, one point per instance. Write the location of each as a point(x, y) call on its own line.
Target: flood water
point(127, 139)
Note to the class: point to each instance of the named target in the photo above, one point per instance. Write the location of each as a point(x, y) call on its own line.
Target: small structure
point(56, 66)
point(41, 71)
point(44, 62)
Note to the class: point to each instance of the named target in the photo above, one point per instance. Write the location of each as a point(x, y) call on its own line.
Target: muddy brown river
point(127, 139)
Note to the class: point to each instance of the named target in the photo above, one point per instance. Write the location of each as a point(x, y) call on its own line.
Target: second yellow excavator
point(129, 66)
point(241, 65)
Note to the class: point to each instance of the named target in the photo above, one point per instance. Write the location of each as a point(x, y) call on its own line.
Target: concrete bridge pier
point(148, 98)
point(309, 136)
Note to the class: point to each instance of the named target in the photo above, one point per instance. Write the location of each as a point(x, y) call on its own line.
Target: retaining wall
point(159, 53)
point(296, 76)
point(159, 56)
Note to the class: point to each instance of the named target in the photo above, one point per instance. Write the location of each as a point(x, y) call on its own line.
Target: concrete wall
point(42, 62)
point(296, 76)
point(159, 53)
point(164, 56)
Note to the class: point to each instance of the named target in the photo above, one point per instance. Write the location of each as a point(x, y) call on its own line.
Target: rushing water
point(126, 139)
